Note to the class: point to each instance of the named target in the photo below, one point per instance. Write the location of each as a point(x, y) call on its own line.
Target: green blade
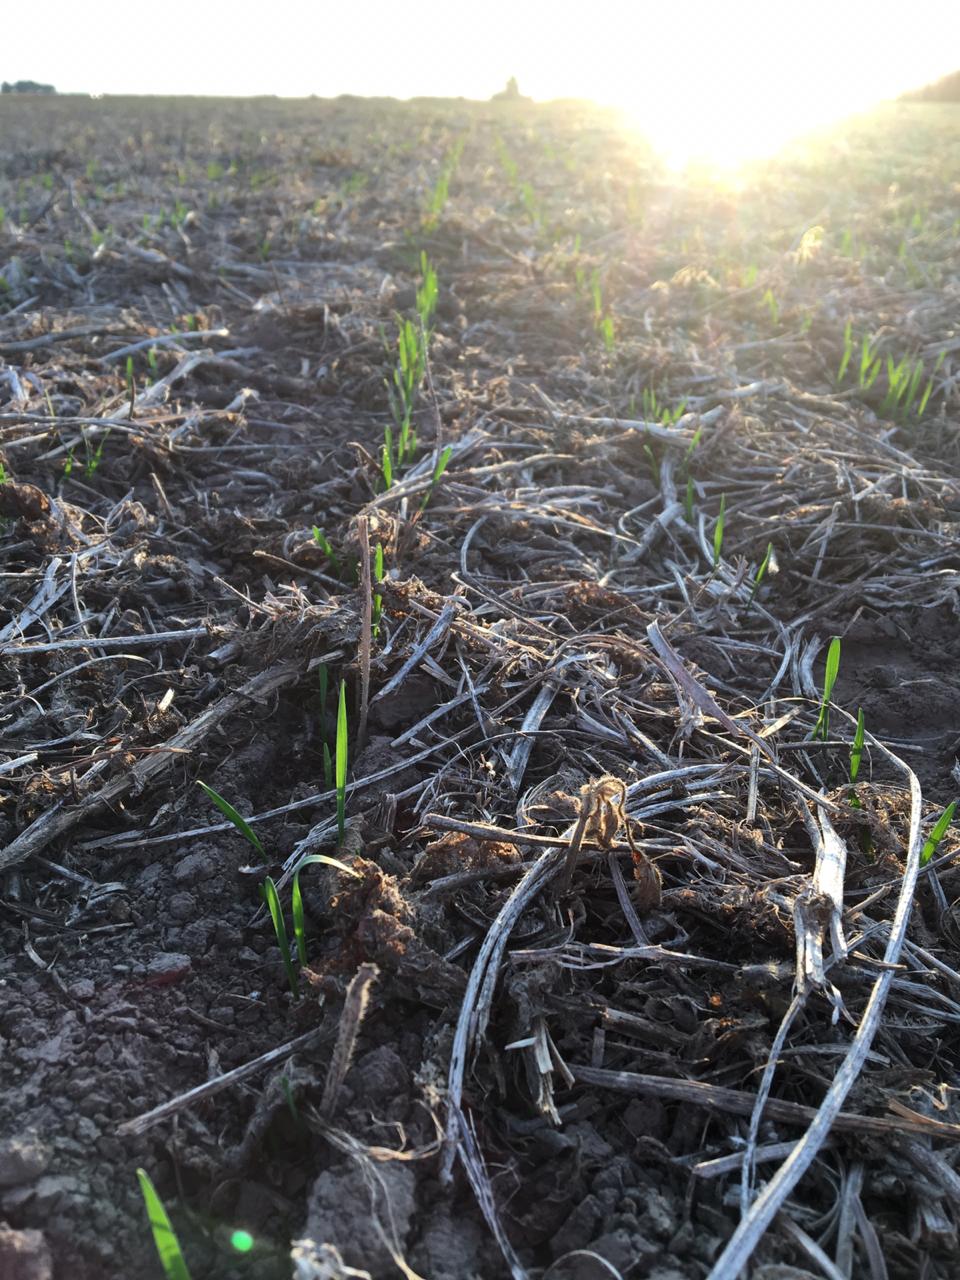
point(228, 811)
point(164, 1236)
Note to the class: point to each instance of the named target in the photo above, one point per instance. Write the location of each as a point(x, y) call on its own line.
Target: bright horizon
point(722, 81)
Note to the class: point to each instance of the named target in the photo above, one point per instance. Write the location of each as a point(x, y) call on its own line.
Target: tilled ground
point(616, 951)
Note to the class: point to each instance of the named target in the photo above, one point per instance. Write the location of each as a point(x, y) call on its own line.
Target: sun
point(739, 82)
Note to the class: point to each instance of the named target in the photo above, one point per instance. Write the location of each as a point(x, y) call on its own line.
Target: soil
point(197, 333)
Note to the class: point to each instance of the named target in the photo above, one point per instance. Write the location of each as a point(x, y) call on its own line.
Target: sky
point(740, 74)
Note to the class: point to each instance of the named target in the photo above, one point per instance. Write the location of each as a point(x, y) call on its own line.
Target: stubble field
point(559, 474)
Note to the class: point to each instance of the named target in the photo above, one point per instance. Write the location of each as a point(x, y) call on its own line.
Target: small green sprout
point(438, 470)
point(692, 446)
point(688, 500)
point(829, 680)
point(939, 831)
point(770, 302)
point(856, 751)
point(761, 572)
point(870, 365)
point(228, 811)
point(164, 1237)
point(428, 293)
point(847, 350)
point(131, 385)
point(327, 767)
point(323, 543)
point(299, 925)
point(270, 896)
point(341, 760)
point(377, 577)
point(718, 531)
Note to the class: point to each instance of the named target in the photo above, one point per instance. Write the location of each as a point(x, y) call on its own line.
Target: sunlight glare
point(744, 79)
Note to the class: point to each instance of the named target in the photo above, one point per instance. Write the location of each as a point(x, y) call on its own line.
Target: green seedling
point(939, 831)
point(164, 1237)
point(608, 334)
point(323, 543)
point(270, 896)
point(770, 302)
point(856, 751)
point(377, 577)
point(692, 446)
point(870, 365)
point(428, 293)
point(848, 346)
point(761, 572)
point(327, 767)
point(299, 926)
point(340, 775)
point(438, 470)
point(718, 531)
point(856, 755)
point(95, 457)
point(829, 680)
point(688, 500)
point(654, 411)
point(131, 385)
point(228, 811)
point(654, 465)
point(386, 458)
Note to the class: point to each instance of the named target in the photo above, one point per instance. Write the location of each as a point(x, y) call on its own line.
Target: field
point(514, 531)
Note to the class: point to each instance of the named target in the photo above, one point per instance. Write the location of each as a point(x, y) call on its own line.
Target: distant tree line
point(26, 86)
point(945, 90)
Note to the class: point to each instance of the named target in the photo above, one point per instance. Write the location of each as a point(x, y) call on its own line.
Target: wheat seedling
point(718, 531)
point(164, 1237)
point(939, 831)
point(829, 680)
point(241, 824)
point(270, 896)
point(341, 760)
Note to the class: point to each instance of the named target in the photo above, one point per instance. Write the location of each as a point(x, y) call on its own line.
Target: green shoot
point(938, 832)
point(654, 465)
point(228, 811)
point(688, 500)
point(847, 350)
point(856, 755)
point(299, 929)
point(272, 899)
point(377, 577)
point(608, 334)
point(327, 768)
point(322, 542)
point(428, 293)
point(692, 446)
point(770, 302)
point(438, 470)
point(164, 1236)
point(341, 760)
point(131, 385)
point(759, 575)
point(829, 680)
point(386, 458)
point(96, 457)
point(718, 531)
point(299, 925)
point(869, 365)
